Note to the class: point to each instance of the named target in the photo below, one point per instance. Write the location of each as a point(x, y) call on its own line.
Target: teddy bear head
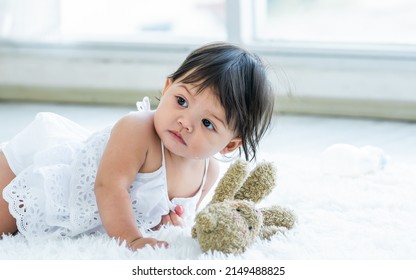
point(231, 222)
point(228, 226)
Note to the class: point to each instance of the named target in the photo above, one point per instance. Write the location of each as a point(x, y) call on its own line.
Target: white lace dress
point(56, 162)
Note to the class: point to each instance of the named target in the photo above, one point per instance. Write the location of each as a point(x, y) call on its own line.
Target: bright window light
point(340, 21)
point(112, 20)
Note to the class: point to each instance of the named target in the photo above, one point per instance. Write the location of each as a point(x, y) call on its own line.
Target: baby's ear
point(168, 82)
point(234, 144)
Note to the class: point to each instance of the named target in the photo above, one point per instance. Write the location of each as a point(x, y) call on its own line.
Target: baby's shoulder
point(134, 120)
point(137, 125)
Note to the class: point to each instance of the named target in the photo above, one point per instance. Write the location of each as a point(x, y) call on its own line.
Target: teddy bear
point(231, 222)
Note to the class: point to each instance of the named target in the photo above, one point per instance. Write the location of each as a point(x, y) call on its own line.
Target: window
point(341, 21)
point(188, 21)
point(112, 20)
point(349, 57)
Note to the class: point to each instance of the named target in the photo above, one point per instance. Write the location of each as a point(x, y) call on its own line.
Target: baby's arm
point(123, 157)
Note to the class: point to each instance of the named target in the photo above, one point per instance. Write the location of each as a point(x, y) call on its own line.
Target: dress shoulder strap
point(163, 154)
point(204, 178)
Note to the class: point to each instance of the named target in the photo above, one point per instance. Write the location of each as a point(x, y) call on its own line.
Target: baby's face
point(193, 125)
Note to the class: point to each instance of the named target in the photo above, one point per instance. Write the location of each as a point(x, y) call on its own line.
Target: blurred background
point(344, 72)
point(339, 57)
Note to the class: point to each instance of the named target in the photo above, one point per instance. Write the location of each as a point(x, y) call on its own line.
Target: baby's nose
point(186, 124)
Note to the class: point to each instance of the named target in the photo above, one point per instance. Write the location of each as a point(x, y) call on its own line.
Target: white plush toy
point(349, 160)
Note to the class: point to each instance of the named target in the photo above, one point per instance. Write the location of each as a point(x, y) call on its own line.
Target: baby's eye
point(207, 124)
point(182, 102)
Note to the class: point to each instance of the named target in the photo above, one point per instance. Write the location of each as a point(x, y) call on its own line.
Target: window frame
point(304, 68)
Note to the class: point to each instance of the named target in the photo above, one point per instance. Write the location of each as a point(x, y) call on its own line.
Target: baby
point(152, 167)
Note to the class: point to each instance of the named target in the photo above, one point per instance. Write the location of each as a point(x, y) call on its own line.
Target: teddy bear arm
point(278, 216)
point(193, 232)
point(268, 231)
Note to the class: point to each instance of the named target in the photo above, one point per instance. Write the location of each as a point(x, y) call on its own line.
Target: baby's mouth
point(176, 135)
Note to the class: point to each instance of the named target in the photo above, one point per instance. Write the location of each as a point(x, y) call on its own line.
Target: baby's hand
point(139, 243)
point(173, 218)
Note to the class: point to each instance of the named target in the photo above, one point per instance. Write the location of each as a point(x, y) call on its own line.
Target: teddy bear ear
point(231, 181)
point(259, 183)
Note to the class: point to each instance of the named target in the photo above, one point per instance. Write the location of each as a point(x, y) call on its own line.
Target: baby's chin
point(185, 152)
point(181, 152)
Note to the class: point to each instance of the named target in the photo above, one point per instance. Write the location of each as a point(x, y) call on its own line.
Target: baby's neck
point(181, 161)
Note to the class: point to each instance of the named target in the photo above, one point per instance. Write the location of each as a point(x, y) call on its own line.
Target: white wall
point(330, 82)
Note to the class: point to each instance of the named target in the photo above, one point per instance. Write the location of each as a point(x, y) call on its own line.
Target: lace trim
point(58, 199)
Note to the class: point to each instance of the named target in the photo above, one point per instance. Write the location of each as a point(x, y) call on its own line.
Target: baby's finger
point(162, 244)
point(179, 210)
point(176, 220)
point(166, 220)
point(154, 243)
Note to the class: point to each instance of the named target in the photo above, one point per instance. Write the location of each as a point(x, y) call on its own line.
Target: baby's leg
point(7, 222)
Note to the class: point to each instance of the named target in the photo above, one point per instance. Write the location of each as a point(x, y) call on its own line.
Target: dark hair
point(240, 81)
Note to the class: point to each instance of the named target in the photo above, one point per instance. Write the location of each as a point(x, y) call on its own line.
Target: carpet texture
point(368, 215)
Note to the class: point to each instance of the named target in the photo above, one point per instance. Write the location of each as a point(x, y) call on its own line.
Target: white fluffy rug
point(348, 206)
point(371, 215)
